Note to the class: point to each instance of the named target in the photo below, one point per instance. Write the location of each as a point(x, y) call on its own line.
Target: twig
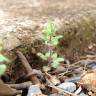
point(20, 86)
point(28, 68)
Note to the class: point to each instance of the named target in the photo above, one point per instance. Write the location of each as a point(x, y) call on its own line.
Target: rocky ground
point(22, 23)
point(28, 17)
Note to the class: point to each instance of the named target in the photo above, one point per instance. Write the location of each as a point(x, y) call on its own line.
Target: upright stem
point(50, 51)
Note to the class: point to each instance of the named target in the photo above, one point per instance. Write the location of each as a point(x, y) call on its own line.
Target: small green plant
point(2, 60)
point(51, 40)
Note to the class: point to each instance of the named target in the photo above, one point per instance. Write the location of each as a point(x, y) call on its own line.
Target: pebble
point(82, 94)
point(93, 66)
point(68, 86)
point(73, 79)
point(34, 90)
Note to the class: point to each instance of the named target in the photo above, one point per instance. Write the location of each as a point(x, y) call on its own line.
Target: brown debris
point(28, 68)
point(88, 81)
point(5, 90)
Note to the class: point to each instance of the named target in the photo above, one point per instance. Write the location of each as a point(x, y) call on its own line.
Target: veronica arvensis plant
point(51, 40)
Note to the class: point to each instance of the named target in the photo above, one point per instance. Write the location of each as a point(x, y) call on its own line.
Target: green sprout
point(2, 60)
point(51, 40)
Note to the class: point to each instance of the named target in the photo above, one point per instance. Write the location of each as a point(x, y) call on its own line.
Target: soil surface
point(23, 22)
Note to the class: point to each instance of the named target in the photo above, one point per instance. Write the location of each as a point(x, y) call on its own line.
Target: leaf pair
point(44, 56)
point(56, 62)
point(49, 35)
point(55, 59)
point(49, 32)
point(50, 29)
point(55, 40)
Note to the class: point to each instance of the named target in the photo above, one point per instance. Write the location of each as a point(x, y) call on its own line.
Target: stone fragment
point(34, 90)
point(68, 86)
point(82, 94)
point(73, 79)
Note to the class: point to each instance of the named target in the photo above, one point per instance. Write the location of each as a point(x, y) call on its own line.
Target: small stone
point(73, 79)
point(68, 86)
point(34, 90)
point(92, 66)
point(82, 94)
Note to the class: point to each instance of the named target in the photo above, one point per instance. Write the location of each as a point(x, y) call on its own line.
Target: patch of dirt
point(22, 23)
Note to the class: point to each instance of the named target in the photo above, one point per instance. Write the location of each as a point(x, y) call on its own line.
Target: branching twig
point(20, 86)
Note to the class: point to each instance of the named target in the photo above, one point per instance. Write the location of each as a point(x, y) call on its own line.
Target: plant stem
point(50, 51)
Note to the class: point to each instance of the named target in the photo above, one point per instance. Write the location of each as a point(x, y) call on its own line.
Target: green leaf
point(55, 40)
point(45, 37)
point(42, 56)
point(54, 55)
point(55, 64)
point(59, 36)
point(3, 58)
point(47, 54)
point(46, 68)
point(50, 29)
point(59, 59)
point(2, 69)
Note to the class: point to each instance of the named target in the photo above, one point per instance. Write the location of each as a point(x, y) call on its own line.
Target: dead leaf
point(52, 78)
point(5, 90)
point(88, 81)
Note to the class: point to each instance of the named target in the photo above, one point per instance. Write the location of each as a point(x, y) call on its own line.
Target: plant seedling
point(51, 40)
point(2, 59)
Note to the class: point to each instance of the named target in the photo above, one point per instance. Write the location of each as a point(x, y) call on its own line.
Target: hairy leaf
point(56, 61)
point(3, 58)
point(50, 29)
point(55, 64)
point(54, 55)
point(2, 69)
point(59, 59)
point(55, 40)
point(47, 54)
point(42, 56)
